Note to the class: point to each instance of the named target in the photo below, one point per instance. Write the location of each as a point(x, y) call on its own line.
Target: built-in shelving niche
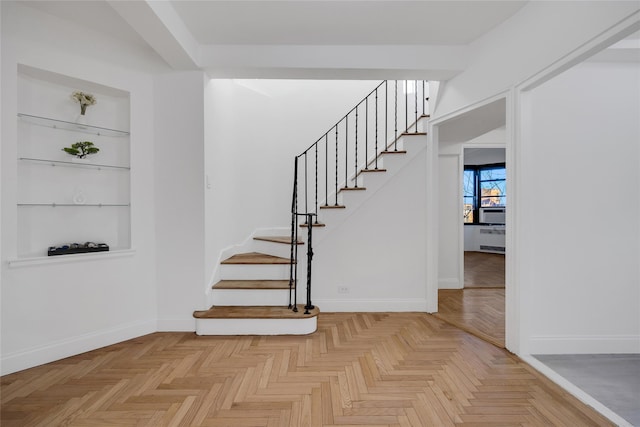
point(60, 199)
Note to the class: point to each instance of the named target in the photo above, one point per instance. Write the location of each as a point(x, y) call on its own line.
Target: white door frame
point(517, 284)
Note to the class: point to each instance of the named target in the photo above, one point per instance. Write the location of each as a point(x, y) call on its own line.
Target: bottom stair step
point(255, 320)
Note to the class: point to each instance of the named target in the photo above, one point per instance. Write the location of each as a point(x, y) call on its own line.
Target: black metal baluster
point(346, 150)
point(295, 265)
point(386, 115)
point(376, 128)
point(406, 105)
point(293, 228)
point(395, 140)
point(366, 133)
point(356, 151)
point(308, 306)
point(326, 169)
point(415, 91)
point(336, 165)
point(316, 191)
point(306, 188)
point(423, 100)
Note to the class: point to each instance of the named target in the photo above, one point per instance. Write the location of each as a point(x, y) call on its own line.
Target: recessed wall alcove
point(60, 199)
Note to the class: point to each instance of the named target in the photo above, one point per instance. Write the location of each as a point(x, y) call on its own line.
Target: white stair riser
point(271, 248)
point(393, 162)
point(353, 198)
point(273, 297)
point(413, 143)
point(254, 271)
point(301, 326)
point(374, 180)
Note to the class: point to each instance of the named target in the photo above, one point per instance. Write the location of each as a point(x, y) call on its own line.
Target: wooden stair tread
point(352, 189)
point(333, 207)
point(413, 133)
point(315, 224)
point(255, 258)
point(254, 312)
point(251, 284)
point(394, 152)
point(277, 239)
point(372, 170)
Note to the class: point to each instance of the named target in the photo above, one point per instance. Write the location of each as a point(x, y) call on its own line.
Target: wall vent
point(492, 248)
point(491, 231)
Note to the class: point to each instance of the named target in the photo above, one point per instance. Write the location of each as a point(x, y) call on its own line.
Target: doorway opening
point(473, 203)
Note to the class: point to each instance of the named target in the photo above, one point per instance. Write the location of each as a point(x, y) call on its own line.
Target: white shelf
point(72, 163)
point(90, 205)
point(75, 127)
point(59, 259)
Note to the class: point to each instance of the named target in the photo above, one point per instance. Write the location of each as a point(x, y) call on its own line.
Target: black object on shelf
point(75, 248)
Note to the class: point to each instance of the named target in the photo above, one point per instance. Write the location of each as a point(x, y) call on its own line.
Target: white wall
point(579, 192)
point(379, 252)
point(56, 310)
point(450, 169)
point(254, 128)
point(525, 44)
point(179, 196)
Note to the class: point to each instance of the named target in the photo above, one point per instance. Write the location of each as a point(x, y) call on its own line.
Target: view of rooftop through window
point(483, 186)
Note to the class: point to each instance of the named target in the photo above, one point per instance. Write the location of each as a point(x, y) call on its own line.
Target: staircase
point(251, 298)
point(257, 293)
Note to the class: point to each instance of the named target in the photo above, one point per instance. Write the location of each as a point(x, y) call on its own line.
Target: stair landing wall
point(374, 260)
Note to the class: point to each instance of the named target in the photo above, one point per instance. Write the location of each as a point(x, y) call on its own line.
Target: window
point(469, 195)
point(483, 186)
point(492, 184)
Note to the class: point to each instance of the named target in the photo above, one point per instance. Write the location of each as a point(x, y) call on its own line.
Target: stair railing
point(385, 108)
point(293, 276)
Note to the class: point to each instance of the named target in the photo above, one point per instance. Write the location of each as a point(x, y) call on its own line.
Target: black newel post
point(309, 306)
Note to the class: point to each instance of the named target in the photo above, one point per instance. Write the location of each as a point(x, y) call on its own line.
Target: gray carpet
point(611, 379)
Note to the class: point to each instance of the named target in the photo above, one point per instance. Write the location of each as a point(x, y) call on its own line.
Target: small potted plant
point(81, 149)
point(84, 99)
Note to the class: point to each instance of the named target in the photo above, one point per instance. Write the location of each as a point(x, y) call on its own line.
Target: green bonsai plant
point(81, 149)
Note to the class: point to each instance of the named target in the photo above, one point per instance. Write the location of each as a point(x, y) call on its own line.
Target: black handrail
point(393, 110)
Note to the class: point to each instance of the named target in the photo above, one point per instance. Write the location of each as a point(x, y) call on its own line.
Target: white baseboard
point(449, 283)
point(584, 344)
point(72, 346)
point(177, 324)
point(371, 305)
point(578, 393)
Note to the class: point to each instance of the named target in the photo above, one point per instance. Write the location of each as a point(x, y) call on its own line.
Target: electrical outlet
point(343, 290)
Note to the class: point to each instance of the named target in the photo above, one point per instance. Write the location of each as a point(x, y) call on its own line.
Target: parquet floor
point(483, 270)
point(479, 308)
point(480, 311)
point(358, 369)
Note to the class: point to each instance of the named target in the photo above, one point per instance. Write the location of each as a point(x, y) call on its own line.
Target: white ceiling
point(297, 38)
point(326, 39)
point(342, 22)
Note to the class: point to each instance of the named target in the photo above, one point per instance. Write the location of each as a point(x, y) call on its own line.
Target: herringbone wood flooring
point(483, 270)
point(479, 308)
point(480, 311)
point(400, 369)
